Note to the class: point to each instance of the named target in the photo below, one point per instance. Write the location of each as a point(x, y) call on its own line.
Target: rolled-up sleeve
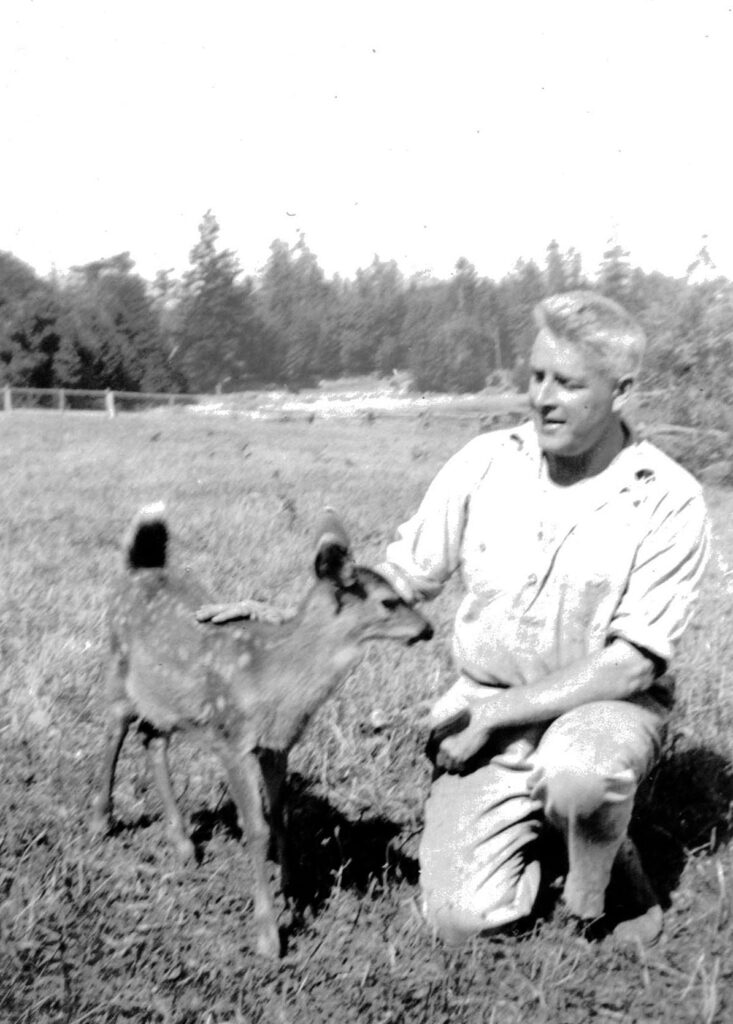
point(426, 550)
point(663, 586)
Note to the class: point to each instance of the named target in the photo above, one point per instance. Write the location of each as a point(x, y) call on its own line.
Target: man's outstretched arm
point(618, 672)
point(256, 611)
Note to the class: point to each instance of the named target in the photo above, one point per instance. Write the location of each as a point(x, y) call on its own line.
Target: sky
point(415, 131)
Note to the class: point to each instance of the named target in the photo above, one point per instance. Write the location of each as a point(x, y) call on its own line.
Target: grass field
point(114, 930)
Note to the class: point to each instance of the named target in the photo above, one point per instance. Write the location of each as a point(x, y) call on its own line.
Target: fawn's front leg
point(246, 783)
point(274, 766)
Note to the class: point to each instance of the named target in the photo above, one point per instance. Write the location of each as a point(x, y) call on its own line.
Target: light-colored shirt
point(553, 574)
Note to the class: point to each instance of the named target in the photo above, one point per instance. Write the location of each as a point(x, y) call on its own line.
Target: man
point(581, 550)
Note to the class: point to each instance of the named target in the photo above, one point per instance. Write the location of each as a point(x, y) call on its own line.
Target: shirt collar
point(630, 467)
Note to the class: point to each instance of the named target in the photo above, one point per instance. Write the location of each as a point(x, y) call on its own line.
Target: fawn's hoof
point(268, 940)
point(185, 850)
point(99, 824)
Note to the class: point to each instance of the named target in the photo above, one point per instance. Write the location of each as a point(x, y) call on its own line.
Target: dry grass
point(116, 931)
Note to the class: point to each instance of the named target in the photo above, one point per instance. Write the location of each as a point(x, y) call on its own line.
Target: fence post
point(7, 399)
point(109, 401)
point(62, 399)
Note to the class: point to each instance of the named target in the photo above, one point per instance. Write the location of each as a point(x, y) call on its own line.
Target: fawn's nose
point(425, 634)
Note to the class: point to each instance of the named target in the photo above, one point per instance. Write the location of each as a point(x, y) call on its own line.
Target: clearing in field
point(115, 931)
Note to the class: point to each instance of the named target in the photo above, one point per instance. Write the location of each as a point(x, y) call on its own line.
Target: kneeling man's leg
point(588, 766)
point(478, 862)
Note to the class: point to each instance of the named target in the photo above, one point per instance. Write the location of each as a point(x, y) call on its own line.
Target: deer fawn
point(249, 688)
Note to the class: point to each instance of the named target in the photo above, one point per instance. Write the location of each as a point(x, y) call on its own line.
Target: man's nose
point(545, 393)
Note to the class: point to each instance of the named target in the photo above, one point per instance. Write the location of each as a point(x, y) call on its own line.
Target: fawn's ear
point(334, 560)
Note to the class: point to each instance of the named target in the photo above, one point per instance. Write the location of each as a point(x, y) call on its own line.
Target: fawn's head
point(362, 595)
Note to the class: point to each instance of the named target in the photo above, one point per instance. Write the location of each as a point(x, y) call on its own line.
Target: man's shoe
point(631, 879)
point(640, 931)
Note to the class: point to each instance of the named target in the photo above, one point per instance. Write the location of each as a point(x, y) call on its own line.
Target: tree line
point(104, 326)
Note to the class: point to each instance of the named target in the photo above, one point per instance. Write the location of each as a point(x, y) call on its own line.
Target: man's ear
point(623, 390)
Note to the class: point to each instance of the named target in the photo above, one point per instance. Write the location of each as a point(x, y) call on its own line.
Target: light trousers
point(479, 867)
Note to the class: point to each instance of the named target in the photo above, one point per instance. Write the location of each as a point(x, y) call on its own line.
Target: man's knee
point(606, 738)
point(452, 922)
point(457, 913)
point(566, 793)
point(571, 792)
point(589, 759)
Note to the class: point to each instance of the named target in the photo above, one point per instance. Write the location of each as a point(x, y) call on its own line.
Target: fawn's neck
point(303, 662)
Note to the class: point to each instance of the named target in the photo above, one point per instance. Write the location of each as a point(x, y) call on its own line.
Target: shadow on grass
point(121, 827)
point(685, 806)
point(328, 850)
point(332, 851)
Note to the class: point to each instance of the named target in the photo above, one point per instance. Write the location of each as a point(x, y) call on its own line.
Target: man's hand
point(457, 749)
point(458, 738)
point(463, 721)
point(453, 742)
point(255, 611)
point(618, 672)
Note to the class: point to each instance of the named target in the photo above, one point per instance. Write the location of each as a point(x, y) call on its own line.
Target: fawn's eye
point(390, 603)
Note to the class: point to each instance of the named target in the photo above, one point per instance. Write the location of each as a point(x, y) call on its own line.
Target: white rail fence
point(262, 407)
point(108, 400)
point(488, 418)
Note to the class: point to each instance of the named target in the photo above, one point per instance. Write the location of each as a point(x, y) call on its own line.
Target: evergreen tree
point(518, 294)
point(573, 276)
point(110, 330)
point(614, 276)
point(27, 344)
point(554, 276)
point(464, 286)
point(372, 319)
point(295, 305)
point(29, 340)
point(218, 336)
point(452, 354)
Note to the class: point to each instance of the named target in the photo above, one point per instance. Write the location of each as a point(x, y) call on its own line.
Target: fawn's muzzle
point(425, 634)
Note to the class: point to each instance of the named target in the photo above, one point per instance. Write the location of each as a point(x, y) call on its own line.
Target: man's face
point(573, 401)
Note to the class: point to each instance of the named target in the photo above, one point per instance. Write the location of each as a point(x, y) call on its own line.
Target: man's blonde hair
point(599, 326)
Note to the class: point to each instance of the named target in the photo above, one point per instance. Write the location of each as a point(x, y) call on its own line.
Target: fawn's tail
point(147, 539)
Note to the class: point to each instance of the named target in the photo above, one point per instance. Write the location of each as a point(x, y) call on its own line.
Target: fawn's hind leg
point(246, 784)
point(157, 747)
point(121, 717)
